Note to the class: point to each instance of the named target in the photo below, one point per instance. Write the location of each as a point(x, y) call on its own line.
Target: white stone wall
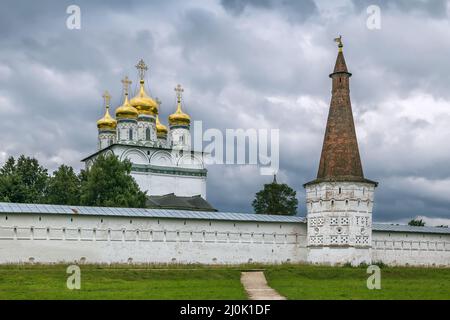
point(180, 138)
point(339, 222)
point(51, 238)
point(105, 139)
point(418, 249)
point(143, 123)
point(161, 184)
point(123, 131)
point(67, 238)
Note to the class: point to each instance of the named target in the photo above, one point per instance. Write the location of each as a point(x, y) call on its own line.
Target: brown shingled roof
point(340, 160)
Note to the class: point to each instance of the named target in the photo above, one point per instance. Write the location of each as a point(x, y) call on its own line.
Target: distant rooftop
point(406, 228)
point(171, 201)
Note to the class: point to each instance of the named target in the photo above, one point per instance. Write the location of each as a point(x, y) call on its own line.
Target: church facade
point(338, 228)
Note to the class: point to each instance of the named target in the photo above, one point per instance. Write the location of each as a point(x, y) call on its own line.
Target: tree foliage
point(64, 187)
point(24, 180)
point(275, 198)
point(108, 183)
point(416, 223)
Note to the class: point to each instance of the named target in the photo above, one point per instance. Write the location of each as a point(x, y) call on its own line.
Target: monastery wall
point(418, 249)
point(54, 238)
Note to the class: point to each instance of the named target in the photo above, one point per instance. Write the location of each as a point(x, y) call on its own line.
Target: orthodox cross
point(142, 68)
point(179, 90)
point(107, 98)
point(126, 83)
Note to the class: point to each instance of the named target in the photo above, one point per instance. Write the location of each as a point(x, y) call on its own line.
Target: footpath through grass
point(321, 282)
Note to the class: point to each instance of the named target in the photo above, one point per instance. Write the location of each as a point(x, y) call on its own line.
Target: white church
point(338, 227)
point(162, 159)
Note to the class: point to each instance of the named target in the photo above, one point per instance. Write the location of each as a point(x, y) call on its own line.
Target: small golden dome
point(107, 122)
point(143, 103)
point(161, 130)
point(126, 111)
point(179, 118)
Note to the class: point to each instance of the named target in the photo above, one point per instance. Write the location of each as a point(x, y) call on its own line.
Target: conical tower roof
point(340, 159)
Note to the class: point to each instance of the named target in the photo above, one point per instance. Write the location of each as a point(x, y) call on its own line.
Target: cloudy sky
point(244, 64)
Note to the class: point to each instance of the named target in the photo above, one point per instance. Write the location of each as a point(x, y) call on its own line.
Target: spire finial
point(179, 90)
point(339, 42)
point(126, 84)
point(107, 98)
point(274, 178)
point(142, 68)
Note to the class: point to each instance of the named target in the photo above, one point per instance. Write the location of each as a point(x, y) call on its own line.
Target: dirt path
point(257, 288)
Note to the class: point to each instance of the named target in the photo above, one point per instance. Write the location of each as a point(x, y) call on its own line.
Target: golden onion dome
point(107, 122)
point(179, 118)
point(143, 103)
point(126, 111)
point(161, 130)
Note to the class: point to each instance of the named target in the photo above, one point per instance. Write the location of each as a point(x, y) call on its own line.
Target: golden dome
point(107, 122)
point(161, 130)
point(179, 118)
point(144, 103)
point(126, 111)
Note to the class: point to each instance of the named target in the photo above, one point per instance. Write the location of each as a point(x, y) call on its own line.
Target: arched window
point(130, 133)
point(147, 134)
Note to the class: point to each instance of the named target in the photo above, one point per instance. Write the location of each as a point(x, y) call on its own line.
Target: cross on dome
point(126, 84)
point(107, 98)
point(142, 68)
point(179, 90)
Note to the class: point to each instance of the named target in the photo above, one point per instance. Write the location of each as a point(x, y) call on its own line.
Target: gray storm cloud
point(244, 64)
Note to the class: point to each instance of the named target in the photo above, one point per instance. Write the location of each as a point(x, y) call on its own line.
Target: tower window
point(130, 133)
point(147, 134)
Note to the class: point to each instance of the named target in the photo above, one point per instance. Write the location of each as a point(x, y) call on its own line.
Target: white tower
point(126, 116)
point(179, 124)
point(147, 110)
point(106, 126)
point(340, 201)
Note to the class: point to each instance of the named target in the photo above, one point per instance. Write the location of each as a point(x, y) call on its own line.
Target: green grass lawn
point(121, 282)
point(319, 282)
point(219, 282)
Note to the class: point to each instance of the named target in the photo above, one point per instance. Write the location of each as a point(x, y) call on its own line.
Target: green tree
point(64, 187)
point(23, 181)
point(416, 223)
point(108, 183)
point(276, 198)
